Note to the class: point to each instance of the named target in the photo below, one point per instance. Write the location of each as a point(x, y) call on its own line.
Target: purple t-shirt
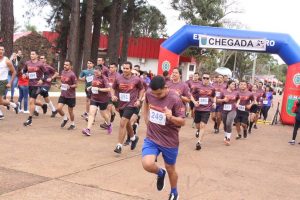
point(159, 129)
point(50, 71)
point(127, 90)
point(219, 88)
point(204, 95)
point(232, 99)
point(246, 98)
point(192, 85)
point(68, 78)
point(180, 88)
point(36, 72)
point(112, 77)
point(98, 96)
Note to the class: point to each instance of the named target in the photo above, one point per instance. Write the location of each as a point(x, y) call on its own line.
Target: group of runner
point(164, 101)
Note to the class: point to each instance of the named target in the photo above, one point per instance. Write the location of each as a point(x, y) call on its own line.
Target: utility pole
point(234, 64)
point(253, 69)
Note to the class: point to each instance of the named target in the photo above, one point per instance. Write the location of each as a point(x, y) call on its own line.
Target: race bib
point(89, 78)
point(227, 107)
point(242, 108)
point(64, 87)
point(203, 101)
point(95, 90)
point(32, 75)
point(124, 97)
point(157, 117)
point(265, 102)
point(218, 94)
point(110, 84)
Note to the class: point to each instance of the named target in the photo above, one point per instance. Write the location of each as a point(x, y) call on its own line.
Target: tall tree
point(87, 31)
point(115, 30)
point(74, 35)
point(7, 25)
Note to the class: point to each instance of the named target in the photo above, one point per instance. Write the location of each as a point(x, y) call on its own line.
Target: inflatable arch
point(221, 38)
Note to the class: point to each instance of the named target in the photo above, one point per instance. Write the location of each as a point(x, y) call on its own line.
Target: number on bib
point(124, 97)
point(218, 94)
point(64, 87)
point(227, 107)
point(89, 78)
point(32, 75)
point(203, 101)
point(265, 102)
point(95, 90)
point(241, 108)
point(157, 117)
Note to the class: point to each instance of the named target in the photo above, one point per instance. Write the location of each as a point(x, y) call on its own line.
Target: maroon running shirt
point(159, 129)
point(68, 78)
point(246, 98)
point(219, 88)
point(50, 71)
point(180, 88)
point(36, 72)
point(204, 95)
point(112, 77)
point(100, 82)
point(192, 85)
point(127, 90)
point(233, 97)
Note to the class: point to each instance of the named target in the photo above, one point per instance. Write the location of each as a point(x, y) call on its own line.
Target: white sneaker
point(26, 111)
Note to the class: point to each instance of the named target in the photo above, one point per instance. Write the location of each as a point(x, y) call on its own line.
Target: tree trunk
point(74, 35)
point(87, 31)
point(7, 26)
point(81, 34)
point(114, 31)
point(97, 19)
point(128, 22)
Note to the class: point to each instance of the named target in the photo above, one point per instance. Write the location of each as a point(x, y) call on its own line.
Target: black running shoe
point(44, 107)
point(160, 183)
point(64, 123)
point(197, 134)
point(53, 114)
point(127, 142)
point(216, 131)
point(173, 196)
point(198, 146)
point(71, 127)
point(8, 107)
point(104, 126)
point(17, 108)
point(245, 135)
point(239, 136)
point(1, 117)
point(112, 118)
point(35, 113)
point(118, 149)
point(134, 127)
point(134, 143)
point(255, 126)
point(28, 122)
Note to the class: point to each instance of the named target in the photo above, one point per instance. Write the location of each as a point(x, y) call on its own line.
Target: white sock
point(12, 104)
point(37, 108)
point(132, 138)
point(225, 134)
point(228, 135)
point(73, 123)
point(119, 144)
point(1, 113)
point(50, 104)
point(65, 117)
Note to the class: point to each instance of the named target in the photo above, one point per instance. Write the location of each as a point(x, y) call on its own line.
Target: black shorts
point(128, 112)
point(102, 106)
point(70, 102)
point(192, 105)
point(217, 109)
point(88, 93)
point(201, 116)
point(254, 108)
point(115, 103)
point(241, 117)
point(44, 91)
point(34, 91)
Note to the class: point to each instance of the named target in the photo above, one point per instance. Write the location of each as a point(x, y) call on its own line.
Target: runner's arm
point(12, 70)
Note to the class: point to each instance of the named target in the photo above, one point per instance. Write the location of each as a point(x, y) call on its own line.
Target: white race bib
point(203, 101)
point(265, 102)
point(110, 84)
point(227, 107)
point(124, 97)
point(242, 108)
point(157, 117)
point(95, 90)
point(89, 78)
point(218, 94)
point(32, 75)
point(64, 87)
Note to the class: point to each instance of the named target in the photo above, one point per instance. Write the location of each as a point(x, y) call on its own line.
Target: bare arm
point(12, 70)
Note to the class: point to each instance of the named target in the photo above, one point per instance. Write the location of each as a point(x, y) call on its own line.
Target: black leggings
point(265, 110)
point(296, 127)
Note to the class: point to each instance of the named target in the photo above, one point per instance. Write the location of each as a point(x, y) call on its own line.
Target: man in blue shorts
point(164, 114)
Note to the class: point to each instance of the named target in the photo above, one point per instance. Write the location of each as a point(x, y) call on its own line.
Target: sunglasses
point(205, 78)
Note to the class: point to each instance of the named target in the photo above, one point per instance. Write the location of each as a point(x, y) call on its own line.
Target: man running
point(130, 90)
point(164, 114)
point(205, 100)
point(242, 115)
point(68, 94)
point(87, 75)
point(37, 73)
point(6, 66)
point(101, 64)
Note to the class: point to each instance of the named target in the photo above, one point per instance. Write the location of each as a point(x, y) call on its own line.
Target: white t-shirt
point(3, 69)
